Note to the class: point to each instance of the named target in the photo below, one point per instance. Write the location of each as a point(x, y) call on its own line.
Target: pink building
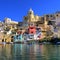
point(32, 29)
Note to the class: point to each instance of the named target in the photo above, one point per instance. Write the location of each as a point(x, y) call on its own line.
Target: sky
point(16, 9)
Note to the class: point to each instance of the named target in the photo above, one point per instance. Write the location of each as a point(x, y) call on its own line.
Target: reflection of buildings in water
point(5, 52)
point(38, 50)
point(49, 51)
point(31, 52)
point(45, 51)
point(1, 50)
point(41, 50)
point(8, 51)
point(18, 51)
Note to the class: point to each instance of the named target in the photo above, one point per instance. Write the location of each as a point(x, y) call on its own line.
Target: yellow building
point(31, 17)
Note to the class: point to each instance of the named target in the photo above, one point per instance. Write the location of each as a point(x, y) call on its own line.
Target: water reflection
point(29, 52)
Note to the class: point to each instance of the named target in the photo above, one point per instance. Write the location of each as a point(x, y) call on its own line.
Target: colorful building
point(32, 30)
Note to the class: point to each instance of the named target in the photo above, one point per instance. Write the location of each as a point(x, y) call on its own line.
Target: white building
point(9, 21)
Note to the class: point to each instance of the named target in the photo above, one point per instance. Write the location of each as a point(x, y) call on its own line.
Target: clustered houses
point(38, 21)
point(7, 27)
point(48, 25)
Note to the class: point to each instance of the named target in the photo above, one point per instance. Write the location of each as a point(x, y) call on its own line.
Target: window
point(57, 15)
point(31, 32)
point(31, 27)
point(47, 15)
point(30, 13)
point(51, 16)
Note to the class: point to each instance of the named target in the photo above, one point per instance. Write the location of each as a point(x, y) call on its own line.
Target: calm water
point(29, 52)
